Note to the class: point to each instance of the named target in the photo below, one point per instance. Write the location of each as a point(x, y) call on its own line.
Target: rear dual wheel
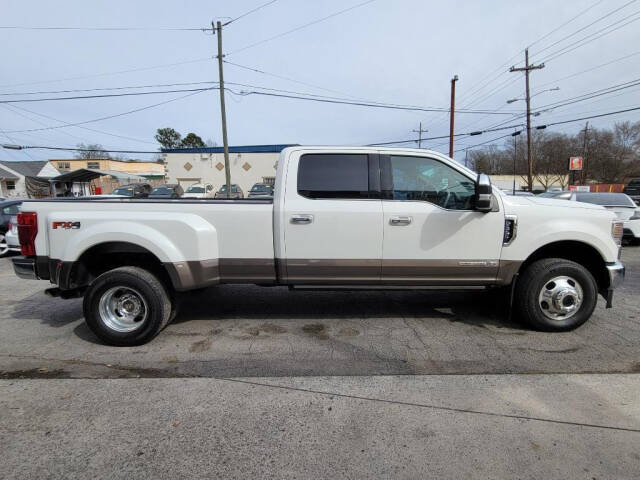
point(126, 306)
point(554, 294)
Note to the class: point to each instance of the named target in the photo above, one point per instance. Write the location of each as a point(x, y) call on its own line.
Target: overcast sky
point(390, 51)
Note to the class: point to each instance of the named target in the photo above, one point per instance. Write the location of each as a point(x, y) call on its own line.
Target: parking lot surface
point(244, 331)
point(253, 382)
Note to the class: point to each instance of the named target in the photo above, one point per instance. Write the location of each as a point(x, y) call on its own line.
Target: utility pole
point(419, 132)
point(227, 174)
point(515, 155)
point(526, 69)
point(452, 113)
point(583, 173)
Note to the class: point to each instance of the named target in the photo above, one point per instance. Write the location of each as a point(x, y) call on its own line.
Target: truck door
point(332, 219)
point(432, 234)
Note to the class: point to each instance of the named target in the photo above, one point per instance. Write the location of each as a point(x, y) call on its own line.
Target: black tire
point(155, 303)
point(537, 277)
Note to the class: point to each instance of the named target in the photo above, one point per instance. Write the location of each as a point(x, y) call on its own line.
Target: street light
point(12, 147)
point(542, 91)
point(515, 154)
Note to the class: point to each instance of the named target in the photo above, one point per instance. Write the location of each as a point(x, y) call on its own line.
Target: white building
point(13, 177)
point(248, 165)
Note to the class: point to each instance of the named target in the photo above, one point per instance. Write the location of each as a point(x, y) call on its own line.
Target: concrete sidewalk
point(465, 426)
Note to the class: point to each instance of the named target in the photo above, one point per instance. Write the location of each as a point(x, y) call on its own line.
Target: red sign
point(575, 163)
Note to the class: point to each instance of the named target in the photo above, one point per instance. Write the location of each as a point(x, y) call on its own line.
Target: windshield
point(195, 189)
point(260, 188)
point(223, 189)
point(162, 191)
point(126, 191)
point(549, 194)
point(606, 199)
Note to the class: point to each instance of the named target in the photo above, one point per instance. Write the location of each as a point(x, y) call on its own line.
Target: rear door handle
point(301, 219)
point(400, 221)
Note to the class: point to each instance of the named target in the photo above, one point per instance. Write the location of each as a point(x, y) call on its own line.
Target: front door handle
point(301, 219)
point(400, 221)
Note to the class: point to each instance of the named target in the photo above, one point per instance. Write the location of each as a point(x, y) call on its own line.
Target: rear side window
point(333, 176)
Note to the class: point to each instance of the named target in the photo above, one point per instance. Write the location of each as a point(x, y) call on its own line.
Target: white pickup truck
point(349, 218)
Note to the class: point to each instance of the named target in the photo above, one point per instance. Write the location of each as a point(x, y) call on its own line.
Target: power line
point(372, 105)
point(468, 147)
point(582, 29)
point(82, 127)
point(586, 40)
point(80, 77)
point(590, 69)
point(71, 149)
point(107, 29)
point(249, 12)
point(109, 95)
point(300, 27)
point(566, 23)
point(590, 95)
point(282, 77)
point(109, 116)
point(131, 87)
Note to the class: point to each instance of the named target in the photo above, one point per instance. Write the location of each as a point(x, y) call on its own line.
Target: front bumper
point(25, 267)
point(616, 274)
point(616, 277)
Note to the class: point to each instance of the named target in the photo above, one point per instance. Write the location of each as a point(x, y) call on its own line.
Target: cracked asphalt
point(250, 331)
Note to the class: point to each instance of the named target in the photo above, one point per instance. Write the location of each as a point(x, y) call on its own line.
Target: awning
point(85, 175)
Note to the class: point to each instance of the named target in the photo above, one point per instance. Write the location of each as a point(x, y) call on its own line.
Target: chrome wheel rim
point(4, 248)
point(123, 309)
point(560, 298)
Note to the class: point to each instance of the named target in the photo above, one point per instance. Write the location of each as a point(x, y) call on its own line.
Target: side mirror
point(484, 193)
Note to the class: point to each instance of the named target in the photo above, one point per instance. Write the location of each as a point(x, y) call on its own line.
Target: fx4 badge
point(66, 225)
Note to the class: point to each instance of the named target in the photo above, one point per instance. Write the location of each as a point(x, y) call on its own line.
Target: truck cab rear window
point(333, 176)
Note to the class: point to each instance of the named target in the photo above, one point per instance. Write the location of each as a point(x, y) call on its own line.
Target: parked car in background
point(236, 192)
point(622, 205)
point(8, 209)
point(199, 190)
point(519, 193)
point(135, 190)
point(171, 190)
point(11, 237)
point(560, 195)
point(261, 190)
point(633, 190)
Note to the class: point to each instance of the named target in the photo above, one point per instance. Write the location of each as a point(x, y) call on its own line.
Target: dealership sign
point(575, 163)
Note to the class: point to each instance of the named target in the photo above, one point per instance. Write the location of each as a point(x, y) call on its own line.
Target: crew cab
point(348, 218)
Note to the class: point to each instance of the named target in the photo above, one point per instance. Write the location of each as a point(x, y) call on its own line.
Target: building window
point(11, 185)
point(64, 165)
point(94, 165)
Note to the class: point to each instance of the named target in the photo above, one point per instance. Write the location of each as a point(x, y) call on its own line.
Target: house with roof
point(14, 177)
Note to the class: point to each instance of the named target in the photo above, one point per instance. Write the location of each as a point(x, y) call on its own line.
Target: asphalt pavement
point(264, 382)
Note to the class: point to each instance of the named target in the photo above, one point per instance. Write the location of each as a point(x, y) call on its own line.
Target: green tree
point(168, 138)
point(191, 140)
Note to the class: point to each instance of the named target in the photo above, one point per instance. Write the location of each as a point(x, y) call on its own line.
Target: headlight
point(636, 215)
point(617, 231)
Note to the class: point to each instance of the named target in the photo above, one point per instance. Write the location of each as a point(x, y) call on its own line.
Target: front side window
point(429, 180)
point(331, 175)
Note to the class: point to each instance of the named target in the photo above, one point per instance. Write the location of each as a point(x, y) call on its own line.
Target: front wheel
point(126, 306)
point(554, 294)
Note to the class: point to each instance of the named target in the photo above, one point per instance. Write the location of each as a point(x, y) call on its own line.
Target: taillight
point(27, 231)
